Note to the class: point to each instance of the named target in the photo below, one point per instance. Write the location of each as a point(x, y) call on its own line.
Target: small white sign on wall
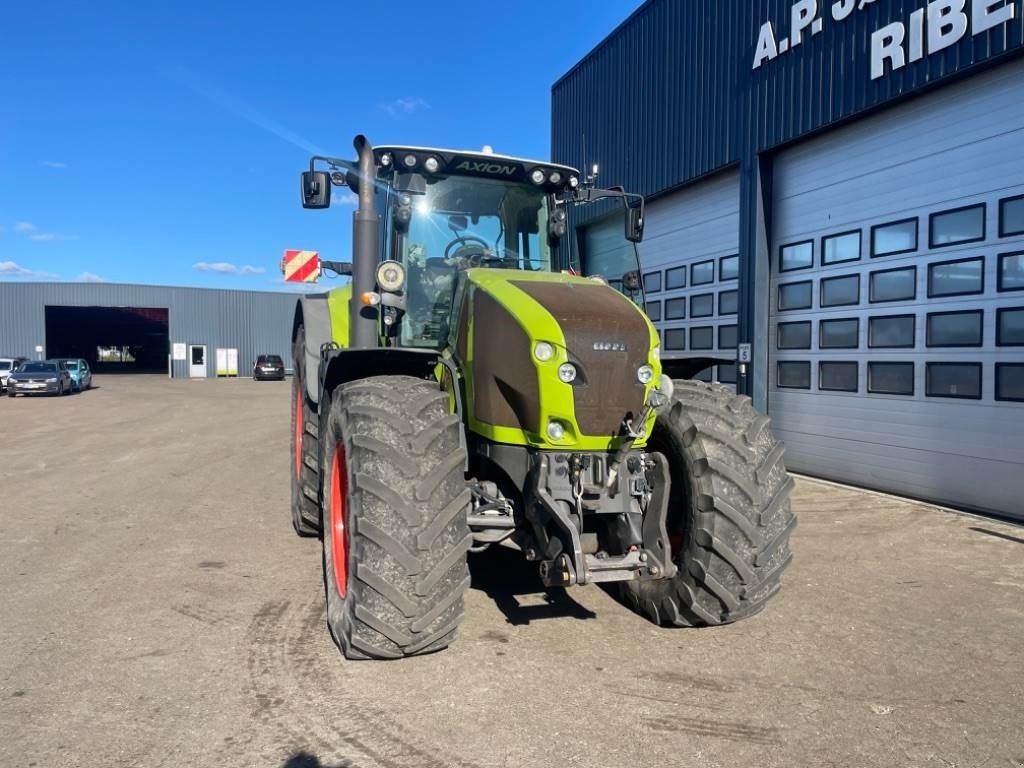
point(179, 352)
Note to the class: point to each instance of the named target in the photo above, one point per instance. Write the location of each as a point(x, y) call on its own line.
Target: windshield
point(459, 223)
point(71, 365)
point(38, 368)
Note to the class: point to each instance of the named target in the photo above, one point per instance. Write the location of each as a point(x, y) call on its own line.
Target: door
point(897, 319)
point(197, 361)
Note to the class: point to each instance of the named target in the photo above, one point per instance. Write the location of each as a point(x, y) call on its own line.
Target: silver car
point(40, 377)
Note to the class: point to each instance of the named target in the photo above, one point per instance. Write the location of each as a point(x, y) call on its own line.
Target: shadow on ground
point(505, 576)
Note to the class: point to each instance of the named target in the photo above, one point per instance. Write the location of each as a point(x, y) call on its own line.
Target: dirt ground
point(157, 610)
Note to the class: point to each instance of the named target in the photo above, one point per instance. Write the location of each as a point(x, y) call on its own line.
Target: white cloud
point(345, 199)
point(53, 164)
point(24, 227)
point(11, 269)
point(30, 229)
point(406, 106)
point(89, 277)
point(227, 268)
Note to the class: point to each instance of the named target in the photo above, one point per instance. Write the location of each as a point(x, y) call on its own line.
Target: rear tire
point(395, 528)
point(305, 453)
point(729, 513)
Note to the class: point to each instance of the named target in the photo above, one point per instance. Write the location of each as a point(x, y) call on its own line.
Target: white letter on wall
point(801, 16)
point(986, 14)
point(766, 48)
point(887, 43)
point(947, 23)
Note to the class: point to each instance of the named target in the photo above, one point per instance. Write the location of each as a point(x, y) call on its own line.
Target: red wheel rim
point(298, 433)
point(339, 536)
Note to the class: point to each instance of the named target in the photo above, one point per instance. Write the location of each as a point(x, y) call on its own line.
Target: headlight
point(567, 373)
point(52, 381)
point(390, 276)
point(385, 159)
point(555, 177)
point(537, 177)
point(555, 430)
point(409, 160)
point(543, 351)
point(644, 374)
point(431, 164)
point(574, 182)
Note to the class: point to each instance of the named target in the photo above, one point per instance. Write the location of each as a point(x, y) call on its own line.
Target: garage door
point(897, 298)
point(691, 270)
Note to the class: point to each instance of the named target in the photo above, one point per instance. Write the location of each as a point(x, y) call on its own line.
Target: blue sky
point(161, 142)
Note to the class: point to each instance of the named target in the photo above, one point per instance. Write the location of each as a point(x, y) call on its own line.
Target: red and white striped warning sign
point(301, 266)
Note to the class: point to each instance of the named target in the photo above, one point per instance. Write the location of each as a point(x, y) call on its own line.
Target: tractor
point(488, 377)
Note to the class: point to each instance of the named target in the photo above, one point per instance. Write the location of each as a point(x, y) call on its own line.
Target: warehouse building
point(191, 332)
point(838, 184)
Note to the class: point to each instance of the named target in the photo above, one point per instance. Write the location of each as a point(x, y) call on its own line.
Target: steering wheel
point(465, 240)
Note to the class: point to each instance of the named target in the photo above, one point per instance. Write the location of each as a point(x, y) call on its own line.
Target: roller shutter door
point(690, 271)
point(897, 298)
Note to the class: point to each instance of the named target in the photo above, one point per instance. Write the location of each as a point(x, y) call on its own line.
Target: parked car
point(81, 373)
point(7, 366)
point(268, 367)
point(40, 377)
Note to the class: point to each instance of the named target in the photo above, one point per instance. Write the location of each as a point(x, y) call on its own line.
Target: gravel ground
point(157, 610)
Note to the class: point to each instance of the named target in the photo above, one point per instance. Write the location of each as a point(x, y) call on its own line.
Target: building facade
point(838, 184)
point(146, 328)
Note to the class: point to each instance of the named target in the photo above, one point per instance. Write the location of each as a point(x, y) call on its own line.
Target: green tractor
point(488, 378)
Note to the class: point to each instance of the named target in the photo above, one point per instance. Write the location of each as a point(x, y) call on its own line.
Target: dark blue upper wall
point(672, 94)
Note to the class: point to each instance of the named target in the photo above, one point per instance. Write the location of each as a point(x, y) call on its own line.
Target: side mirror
point(631, 281)
point(634, 224)
point(316, 189)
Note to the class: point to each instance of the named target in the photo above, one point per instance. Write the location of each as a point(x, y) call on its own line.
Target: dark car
point(268, 367)
point(40, 377)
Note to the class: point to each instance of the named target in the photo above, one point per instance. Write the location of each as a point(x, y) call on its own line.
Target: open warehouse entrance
point(112, 339)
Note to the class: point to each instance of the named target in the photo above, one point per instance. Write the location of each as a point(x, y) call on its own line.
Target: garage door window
point(839, 334)
point(841, 247)
point(795, 296)
point(960, 380)
point(796, 256)
point(893, 285)
point(840, 291)
point(1011, 272)
point(1011, 216)
point(654, 310)
point(1010, 327)
point(729, 268)
point(702, 305)
point(702, 273)
point(727, 303)
point(702, 337)
point(794, 335)
point(956, 226)
point(956, 278)
point(891, 378)
point(794, 375)
point(727, 374)
point(675, 278)
point(837, 376)
point(675, 338)
point(954, 329)
point(894, 238)
point(675, 309)
point(652, 282)
point(891, 331)
point(727, 337)
point(1010, 382)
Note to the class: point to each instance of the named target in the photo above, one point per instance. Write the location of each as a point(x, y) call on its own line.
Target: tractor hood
point(515, 393)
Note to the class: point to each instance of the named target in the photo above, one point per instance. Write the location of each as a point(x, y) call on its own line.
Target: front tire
point(305, 453)
point(729, 516)
point(395, 528)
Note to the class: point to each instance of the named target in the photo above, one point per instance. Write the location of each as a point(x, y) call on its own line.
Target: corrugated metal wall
point(250, 321)
point(671, 94)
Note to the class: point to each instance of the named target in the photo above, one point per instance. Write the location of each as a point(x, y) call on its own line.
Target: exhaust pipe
point(364, 321)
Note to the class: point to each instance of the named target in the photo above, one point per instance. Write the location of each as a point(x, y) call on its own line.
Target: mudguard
point(316, 318)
